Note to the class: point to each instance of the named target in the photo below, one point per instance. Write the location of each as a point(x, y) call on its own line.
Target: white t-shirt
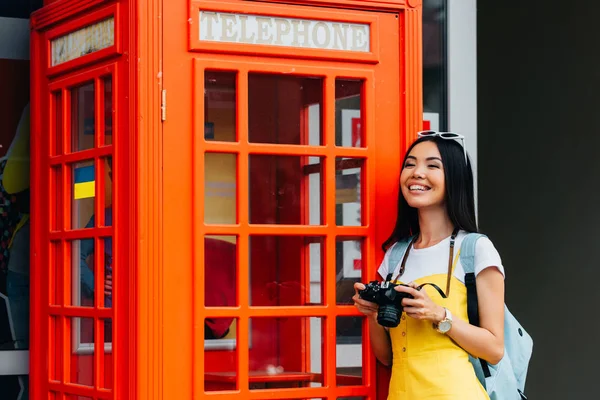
point(434, 260)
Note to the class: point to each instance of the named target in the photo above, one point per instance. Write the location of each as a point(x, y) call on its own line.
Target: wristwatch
point(444, 325)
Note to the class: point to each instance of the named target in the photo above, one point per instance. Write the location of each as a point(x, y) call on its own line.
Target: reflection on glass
point(82, 117)
point(55, 349)
point(55, 275)
point(220, 356)
point(108, 191)
point(348, 179)
point(83, 193)
point(435, 61)
point(58, 128)
point(220, 259)
point(83, 272)
point(220, 176)
point(286, 352)
point(281, 190)
point(108, 111)
point(348, 264)
point(349, 351)
point(277, 265)
point(278, 109)
point(82, 256)
point(219, 106)
point(349, 125)
point(14, 387)
point(82, 346)
point(56, 217)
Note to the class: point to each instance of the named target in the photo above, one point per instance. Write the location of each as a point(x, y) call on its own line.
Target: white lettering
point(228, 25)
point(359, 38)
point(208, 18)
point(244, 32)
point(264, 27)
point(283, 28)
point(321, 40)
point(340, 40)
point(283, 32)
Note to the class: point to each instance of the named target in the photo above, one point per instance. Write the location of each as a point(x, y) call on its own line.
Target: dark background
point(539, 179)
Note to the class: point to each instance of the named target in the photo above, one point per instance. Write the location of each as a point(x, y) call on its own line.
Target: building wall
point(539, 180)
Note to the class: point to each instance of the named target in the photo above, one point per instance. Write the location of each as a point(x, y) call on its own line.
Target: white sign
point(284, 32)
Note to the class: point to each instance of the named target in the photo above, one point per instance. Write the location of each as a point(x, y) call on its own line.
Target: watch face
point(445, 326)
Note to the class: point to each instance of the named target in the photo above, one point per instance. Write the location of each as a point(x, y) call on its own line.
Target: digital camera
point(389, 301)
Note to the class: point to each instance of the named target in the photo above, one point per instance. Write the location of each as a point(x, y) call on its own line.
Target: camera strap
point(450, 264)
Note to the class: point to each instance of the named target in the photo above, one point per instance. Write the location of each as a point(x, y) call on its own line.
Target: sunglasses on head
point(445, 135)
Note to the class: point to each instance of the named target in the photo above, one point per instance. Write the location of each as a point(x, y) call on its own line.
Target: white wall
point(462, 74)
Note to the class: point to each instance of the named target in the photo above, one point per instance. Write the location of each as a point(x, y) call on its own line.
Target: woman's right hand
point(366, 307)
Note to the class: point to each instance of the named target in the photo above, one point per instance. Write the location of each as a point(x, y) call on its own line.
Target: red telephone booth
point(210, 178)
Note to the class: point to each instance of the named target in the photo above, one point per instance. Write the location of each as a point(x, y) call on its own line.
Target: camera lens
point(389, 316)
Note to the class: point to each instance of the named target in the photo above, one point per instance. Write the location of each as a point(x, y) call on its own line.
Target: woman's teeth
point(418, 187)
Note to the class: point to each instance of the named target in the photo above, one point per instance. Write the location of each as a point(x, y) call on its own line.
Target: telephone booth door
point(283, 131)
point(80, 195)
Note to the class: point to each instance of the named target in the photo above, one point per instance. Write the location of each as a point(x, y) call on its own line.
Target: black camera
point(389, 301)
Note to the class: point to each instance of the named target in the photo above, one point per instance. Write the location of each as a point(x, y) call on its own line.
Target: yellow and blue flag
point(84, 186)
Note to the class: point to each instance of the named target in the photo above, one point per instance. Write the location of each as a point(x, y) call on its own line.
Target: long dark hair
point(460, 196)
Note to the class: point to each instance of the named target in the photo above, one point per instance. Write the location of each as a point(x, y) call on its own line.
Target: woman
point(429, 350)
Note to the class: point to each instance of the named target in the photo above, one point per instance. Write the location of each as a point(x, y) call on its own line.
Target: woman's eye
point(434, 166)
point(409, 165)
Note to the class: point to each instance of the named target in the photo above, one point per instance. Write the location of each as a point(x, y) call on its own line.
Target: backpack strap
point(396, 254)
point(467, 260)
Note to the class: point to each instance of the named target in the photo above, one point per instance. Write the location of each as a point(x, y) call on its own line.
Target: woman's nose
point(419, 172)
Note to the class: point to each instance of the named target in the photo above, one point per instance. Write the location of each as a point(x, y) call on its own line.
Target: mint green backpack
point(505, 380)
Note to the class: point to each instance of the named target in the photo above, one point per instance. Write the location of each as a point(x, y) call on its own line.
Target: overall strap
point(467, 259)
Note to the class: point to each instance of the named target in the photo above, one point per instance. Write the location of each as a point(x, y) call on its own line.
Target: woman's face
point(422, 180)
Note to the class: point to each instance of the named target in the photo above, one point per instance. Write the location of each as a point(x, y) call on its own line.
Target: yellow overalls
point(427, 364)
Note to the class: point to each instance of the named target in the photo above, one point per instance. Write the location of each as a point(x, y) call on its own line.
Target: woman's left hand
point(421, 307)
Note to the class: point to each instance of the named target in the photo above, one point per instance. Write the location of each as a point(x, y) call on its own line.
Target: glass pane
point(348, 178)
point(349, 125)
point(219, 106)
point(220, 355)
point(435, 63)
point(108, 271)
point(282, 192)
point(82, 117)
point(55, 349)
point(14, 387)
point(348, 265)
point(107, 377)
point(109, 111)
point(349, 351)
point(55, 273)
point(83, 193)
point(108, 191)
point(56, 199)
point(286, 352)
point(277, 270)
point(83, 272)
point(57, 138)
point(220, 176)
point(220, 260)
point(82, 351)
point(77, 397)
point(278, 109)
point(14, 304)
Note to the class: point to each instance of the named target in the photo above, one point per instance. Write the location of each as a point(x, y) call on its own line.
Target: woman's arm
point(487, 341)
point(380, 338)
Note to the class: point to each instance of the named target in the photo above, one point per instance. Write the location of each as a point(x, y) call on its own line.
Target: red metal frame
point(51, 353)
point(284, 12)
point(155, 302)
